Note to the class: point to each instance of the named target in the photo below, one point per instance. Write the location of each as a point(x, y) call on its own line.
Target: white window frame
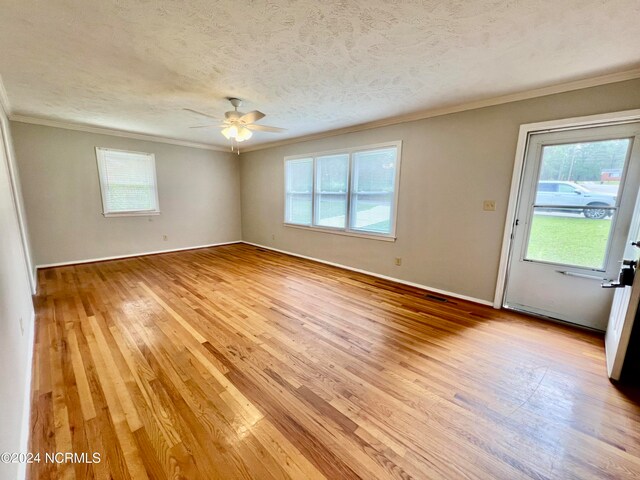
point(100, 157)
point(348, 231)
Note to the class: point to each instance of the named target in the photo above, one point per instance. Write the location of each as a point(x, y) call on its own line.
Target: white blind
point(128, 182)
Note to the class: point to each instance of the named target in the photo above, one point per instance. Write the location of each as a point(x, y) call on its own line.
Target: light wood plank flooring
point(236, 362)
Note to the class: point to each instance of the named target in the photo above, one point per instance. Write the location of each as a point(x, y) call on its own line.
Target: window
point(299, 191)
point(564, 188)
point(127, 182)
point(373, 192)
point(547, 187)
point(353, 191)
point(332, 178)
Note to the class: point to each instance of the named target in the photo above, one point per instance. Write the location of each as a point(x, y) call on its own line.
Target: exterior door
point(621, 320)
point(574, 212)
point(625, 306)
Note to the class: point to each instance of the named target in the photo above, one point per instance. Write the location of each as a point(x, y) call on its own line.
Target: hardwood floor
point(236, 362)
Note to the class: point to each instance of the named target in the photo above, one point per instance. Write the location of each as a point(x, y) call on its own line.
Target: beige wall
point(198, 193)
point(16, 317)
point(450, 164)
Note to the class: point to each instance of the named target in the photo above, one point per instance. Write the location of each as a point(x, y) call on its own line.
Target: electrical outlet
point(165, 237)
point(273, 236)
point(21, 327)
point(398, 261)
point(489, 205)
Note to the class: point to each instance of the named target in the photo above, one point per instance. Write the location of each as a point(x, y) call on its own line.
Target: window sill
point(337, 231)
point(131, 214)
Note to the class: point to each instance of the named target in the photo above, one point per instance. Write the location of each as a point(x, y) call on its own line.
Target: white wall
point(14, 175)
point(450, 164)
point(16, 318)
point(199, 194)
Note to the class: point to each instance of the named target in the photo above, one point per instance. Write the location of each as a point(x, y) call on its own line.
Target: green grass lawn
point(573, 241)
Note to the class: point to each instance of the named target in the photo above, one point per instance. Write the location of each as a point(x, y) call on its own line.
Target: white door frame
point(526, 130)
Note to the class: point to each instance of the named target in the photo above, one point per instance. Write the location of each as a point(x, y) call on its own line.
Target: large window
point(353, 191)
point(127, 182)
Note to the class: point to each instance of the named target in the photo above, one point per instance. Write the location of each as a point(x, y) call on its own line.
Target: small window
point(128, 182)
point(353, 192)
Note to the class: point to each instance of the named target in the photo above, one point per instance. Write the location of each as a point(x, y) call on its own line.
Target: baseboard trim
point(378, 275)
point(286, 252)
point(132, 255)
point(26, 410)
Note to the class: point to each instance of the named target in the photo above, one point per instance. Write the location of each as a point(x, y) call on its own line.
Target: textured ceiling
point(310, 66)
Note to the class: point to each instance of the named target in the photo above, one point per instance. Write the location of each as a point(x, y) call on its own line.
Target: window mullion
point(347, 225)
point(313, 193)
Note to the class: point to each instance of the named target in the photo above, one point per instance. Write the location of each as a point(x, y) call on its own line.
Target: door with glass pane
point(574, 211)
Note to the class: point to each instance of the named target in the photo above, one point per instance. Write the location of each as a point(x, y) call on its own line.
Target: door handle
point(626, 276)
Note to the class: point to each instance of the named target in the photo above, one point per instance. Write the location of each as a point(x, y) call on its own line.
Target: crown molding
point(6, 106)
point(410, 117)
point(112, 131)
point(436, 112)
point(4, 99)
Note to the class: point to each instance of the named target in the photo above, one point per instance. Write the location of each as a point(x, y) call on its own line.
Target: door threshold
point(553, 319)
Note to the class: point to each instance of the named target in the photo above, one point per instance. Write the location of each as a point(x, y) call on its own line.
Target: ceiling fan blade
point(251, 117)
point(200, 113)
point(265, 128)
point(205, 126)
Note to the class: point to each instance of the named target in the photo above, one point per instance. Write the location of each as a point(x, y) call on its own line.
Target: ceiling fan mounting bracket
point(236, 102)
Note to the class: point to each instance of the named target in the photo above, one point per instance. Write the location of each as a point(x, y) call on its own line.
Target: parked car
point(570, 194)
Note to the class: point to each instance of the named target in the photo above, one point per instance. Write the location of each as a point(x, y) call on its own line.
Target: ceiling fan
point(238, 126)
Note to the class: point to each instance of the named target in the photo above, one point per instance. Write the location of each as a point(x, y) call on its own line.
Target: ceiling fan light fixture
point(237, 126)
point(243, 134)
point(230, 132)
